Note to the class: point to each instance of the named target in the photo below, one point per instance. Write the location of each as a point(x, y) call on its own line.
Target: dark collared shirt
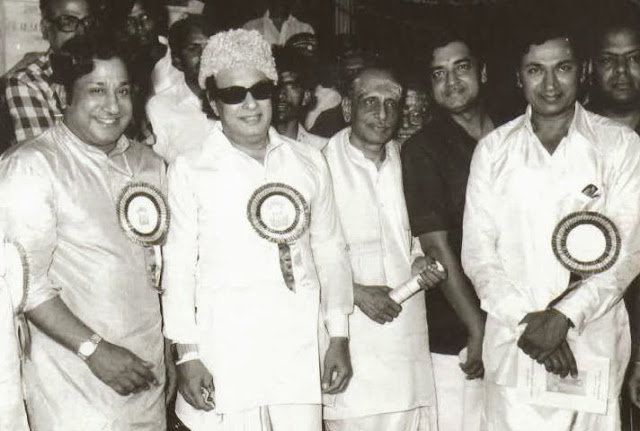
point(435, 170)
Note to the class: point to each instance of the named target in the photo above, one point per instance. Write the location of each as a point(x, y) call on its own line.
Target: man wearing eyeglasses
point(33, 102)
point(257, 249)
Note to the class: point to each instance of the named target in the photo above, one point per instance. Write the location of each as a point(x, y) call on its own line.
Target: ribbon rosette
point(280, 214)
point(144, 217)
point(585, 243)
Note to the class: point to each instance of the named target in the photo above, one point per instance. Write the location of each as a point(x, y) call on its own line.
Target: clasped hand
point(121, 370)
point(545, 340)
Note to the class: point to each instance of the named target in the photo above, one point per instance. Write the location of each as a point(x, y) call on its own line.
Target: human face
point(413, 114)
point(141, 25)
point(57, 25)
point(455, 78)
point(549, 74)
point(246, 122)
point(290, 98)
point(100, 108)
point(188, 58)
point(617, 67)
point(374, 108)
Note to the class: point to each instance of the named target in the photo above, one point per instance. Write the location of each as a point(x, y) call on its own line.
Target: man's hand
point(473, 366)
point(634, 383)
point(544, 333)
point(337, 366)
point(120, 369)
point(171, 383)
point(562, 362)
point(193, 376)
point(430, 277)
point(374, 301)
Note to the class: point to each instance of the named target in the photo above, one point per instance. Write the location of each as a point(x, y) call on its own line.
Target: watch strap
point(180, 351)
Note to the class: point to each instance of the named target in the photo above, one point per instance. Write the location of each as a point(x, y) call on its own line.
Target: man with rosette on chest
point(255, 256)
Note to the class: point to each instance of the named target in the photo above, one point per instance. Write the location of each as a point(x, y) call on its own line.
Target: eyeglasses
point(71, 24)
point(233, 95)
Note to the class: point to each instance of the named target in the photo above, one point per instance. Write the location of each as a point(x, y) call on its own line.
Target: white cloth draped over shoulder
point(257, 338)
point(179, 123)
point(516, 195)
point(391, 362)
point(59, 199)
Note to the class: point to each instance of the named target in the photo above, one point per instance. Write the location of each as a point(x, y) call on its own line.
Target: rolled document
point(411, 286)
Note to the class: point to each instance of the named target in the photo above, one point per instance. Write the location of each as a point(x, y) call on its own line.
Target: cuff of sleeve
point(337, 325)
point(576, 316)
point(191, 356)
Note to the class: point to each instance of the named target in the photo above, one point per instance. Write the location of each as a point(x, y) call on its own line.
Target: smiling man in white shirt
point(525, 177)
point(392, 387)
point(256, 247)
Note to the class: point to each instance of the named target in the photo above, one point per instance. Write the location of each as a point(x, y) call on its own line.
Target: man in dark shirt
point(435, 169)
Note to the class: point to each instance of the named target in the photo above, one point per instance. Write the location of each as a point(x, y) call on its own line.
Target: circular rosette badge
point(143, 214)
point(278, 213)
point(586, 242)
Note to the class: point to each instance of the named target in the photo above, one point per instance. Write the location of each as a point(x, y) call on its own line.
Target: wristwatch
point(88, 348)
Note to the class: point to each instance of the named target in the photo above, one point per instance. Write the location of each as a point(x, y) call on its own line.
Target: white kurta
point(391, 362)
point(516, 195)
point(317, 142)
point(13, 416)
point(179, 123)
point(257, 338)
point(59, 199)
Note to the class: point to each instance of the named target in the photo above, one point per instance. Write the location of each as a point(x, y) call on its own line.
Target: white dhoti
point(505, 412)
point(453, 389)
point(420, 419)
point(289, 417)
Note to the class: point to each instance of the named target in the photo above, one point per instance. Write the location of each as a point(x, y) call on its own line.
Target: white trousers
point(504, 412)
point(460, 401)
point(419, 419)
point(289, 417)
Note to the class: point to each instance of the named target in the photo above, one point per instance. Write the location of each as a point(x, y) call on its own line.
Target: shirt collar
point(356, 154)
point(579, 126)
point(275, 139)
point(121, 145)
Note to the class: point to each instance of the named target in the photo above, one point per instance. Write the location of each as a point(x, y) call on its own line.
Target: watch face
point(87, 348)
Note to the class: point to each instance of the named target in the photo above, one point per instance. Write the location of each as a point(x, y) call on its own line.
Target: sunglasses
point(71, 24)
point(233, 95)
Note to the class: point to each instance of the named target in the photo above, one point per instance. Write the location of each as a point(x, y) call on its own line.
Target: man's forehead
point(288, 77)
point(368, 84)
point(70, 7)
point(620, 39)
point(451, 52)
point(549, 52)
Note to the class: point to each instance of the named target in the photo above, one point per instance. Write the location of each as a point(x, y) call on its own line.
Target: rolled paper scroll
point(280, 214)
point(410, 287)
point(144, 217)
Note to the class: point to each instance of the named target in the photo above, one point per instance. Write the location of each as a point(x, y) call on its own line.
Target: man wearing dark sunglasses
point(33, 102)
point(257, 248)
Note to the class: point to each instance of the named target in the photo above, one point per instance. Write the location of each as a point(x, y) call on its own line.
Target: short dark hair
point(157, 10)
point(537, 29)
point(443, 36)
point(77, 55)
point(615, 17)
point(289, 59)
point(180, 30)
